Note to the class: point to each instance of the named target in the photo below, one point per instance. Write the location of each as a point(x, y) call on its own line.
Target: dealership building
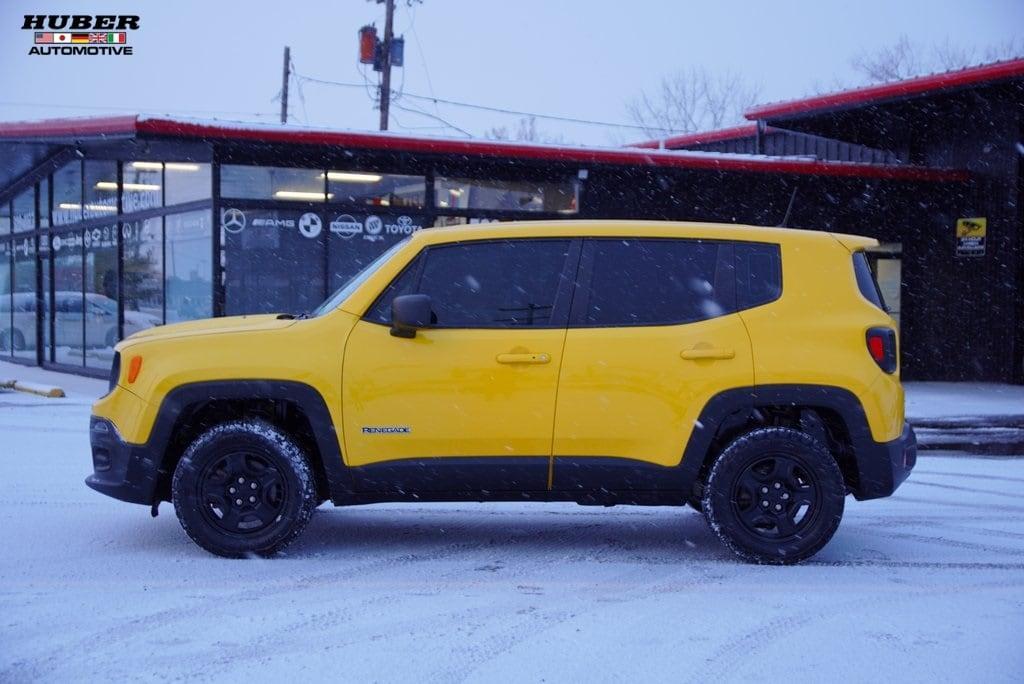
point(110, 225)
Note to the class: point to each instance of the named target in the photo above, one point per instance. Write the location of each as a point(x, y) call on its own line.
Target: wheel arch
point(295, 407)
point(833, 414)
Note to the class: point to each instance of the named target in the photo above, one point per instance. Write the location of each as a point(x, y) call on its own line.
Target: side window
point(655, 282)
point(486, 284)
point(404, 284)
point(758, 274)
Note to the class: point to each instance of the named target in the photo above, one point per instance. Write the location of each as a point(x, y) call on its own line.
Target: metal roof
point(895, 90)
point(97, 129)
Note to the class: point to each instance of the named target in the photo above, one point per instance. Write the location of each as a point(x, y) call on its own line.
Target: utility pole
point(385, 83)
point(284, 83)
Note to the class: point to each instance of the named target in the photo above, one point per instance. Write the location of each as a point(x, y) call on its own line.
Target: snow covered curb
point(47, 391)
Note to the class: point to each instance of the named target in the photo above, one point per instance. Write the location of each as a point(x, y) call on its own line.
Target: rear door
point(468, 404)
point(653, 335)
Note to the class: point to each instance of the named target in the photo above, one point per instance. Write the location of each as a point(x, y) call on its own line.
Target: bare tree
point(905, 59)
point(525, 131)
point(693, 100)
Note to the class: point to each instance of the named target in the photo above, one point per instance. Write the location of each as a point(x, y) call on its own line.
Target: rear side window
point(758, 274)
point(486, 284)
point(654, 282)
point(866, 280)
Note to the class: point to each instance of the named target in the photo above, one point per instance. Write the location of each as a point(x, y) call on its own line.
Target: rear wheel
point(775, 495)
point(243, 488)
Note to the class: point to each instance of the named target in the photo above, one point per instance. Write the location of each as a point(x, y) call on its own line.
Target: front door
point(653, 335)
point(468, 404)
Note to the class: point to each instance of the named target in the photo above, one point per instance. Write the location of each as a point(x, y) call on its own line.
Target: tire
point(774, 496)
point(243, 488)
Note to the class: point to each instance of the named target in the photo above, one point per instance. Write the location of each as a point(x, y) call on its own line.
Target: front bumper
point(121, 470)
point(884, 466)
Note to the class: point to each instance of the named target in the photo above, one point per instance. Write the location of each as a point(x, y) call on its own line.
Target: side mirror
point(409, 313)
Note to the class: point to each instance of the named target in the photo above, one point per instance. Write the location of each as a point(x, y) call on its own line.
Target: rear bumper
point(884, 466)
point(121, 470)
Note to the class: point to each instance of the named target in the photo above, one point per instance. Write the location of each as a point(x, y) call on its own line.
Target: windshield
point(342, 293)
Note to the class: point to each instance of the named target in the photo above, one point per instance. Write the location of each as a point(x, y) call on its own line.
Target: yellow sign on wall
point(970, 236)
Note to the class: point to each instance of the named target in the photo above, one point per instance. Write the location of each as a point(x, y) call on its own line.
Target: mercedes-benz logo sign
point(310, 225)
point(232, 220)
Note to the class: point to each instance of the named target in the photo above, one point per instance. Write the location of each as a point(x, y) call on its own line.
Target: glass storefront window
point(44, 203)
point(187, 182)
point(44, 263)
point(515, 195)
point(23, 210)
point(143, 186)
point(376, 189)
point(271, 182)
point(100, 296)
point(24, 299)
point(274, 263)
point(5, 218)
point(143, 274)
point(359, 238)
point(6, 321)
point(67, 305)
point(67, 194)
point(188, 266)
point(100, 189)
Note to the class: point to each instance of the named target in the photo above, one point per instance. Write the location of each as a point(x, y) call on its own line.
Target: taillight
point(882, 347)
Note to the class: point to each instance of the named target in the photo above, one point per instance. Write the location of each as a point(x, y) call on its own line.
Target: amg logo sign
point(80, 22)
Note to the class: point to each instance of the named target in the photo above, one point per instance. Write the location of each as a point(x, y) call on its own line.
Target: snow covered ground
point(927, 585)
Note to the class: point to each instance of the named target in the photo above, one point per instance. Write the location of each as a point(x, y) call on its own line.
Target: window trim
point(560, 310)
point(725, 261)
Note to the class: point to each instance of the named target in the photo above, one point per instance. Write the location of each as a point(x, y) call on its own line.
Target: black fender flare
point(303, 396)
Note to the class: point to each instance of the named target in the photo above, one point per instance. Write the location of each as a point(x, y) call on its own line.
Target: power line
point(486, 108)
point(133, 110)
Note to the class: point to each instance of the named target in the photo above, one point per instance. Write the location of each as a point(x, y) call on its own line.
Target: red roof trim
point(103, 126)
point(704, 137)
point(580, 155)
point(888, 91)
point(59, 128)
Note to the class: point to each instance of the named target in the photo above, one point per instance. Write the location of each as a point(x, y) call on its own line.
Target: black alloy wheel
point(777, 497)
point(242, 492)
point(774, 495)
point(244, 488)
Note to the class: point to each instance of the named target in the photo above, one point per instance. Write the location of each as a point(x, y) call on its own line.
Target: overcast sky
point(578, 59)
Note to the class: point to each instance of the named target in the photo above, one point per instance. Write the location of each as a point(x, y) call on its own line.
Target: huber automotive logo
point(80, 34)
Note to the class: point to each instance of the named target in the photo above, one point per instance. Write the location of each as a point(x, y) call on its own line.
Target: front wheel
point(242, 488)
point(775, 495)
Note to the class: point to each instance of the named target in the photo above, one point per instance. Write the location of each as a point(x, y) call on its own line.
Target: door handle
point(524, 358)
point(707, 353)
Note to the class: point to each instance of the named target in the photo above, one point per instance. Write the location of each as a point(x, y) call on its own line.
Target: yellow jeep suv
point(749, 372)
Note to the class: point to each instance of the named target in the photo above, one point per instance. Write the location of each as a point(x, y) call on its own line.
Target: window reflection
point(67, 194)
point(24, 299)
point(187, 182)
point(101, 332)
point(271, 182)
point(67, 305)
point(512, 195)
point(143, 274)
point(6, 322)
point(24, 211)
point(143, 186)
point(100, 189)
point(377, 189)
point(5, 218)
point(189, 266)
